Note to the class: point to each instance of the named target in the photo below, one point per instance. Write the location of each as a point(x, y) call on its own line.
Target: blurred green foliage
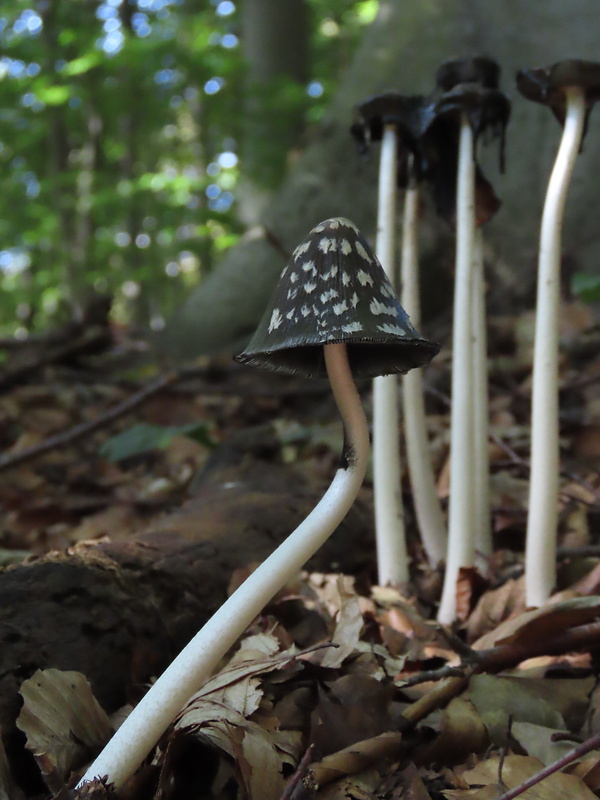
point(119, 125)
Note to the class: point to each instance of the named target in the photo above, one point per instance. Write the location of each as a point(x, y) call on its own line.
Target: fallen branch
point(65, 438)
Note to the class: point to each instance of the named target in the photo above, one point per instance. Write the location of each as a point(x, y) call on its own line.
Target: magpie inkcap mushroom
point(469, 90)
point(406, 113)
point(548, 85)
point(470, 69)
point(334, 290)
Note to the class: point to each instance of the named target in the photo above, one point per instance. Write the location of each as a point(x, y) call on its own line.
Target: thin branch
point(65, 438)
point(573, 755)
point(299, 775)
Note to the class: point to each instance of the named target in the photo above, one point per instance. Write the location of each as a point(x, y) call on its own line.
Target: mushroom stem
point(392, 562)
point(427, 505)
point(540, 557)
point(460, 523)
point(481, 474)
point(157, 709)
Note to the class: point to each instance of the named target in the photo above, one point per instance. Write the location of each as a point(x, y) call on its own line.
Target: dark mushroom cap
point(406, 113)
point(547, 85)
point(389, 108)
point(481, 70)
point(486, 109)
point(334, 290)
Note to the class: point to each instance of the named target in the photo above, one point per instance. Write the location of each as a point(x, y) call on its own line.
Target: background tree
point(401, 50)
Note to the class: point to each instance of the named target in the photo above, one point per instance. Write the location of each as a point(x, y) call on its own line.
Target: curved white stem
point(427, 505)
point(540, 557)
point(460, 522)
point(481, 464)
point(392, 562)
point(149, 719)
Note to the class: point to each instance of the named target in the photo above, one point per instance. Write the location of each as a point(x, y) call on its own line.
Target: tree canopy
point(120, 145)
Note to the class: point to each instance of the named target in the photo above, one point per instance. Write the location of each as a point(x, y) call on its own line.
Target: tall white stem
point(540, 557)
point(460, 524)
point(392, 563)
point(149, 719)
point(481, 474)
point(427, 505)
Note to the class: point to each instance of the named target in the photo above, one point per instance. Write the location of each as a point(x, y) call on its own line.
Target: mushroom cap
point(547, 85)
point(486, 109)
point(481, 70)
point(334, 290)
point(389, 108)
point(407, 113)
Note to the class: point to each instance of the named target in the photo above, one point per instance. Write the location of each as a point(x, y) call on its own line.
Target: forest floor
point(341, 688)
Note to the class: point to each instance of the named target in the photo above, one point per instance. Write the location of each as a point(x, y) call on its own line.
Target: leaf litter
point(340, 689)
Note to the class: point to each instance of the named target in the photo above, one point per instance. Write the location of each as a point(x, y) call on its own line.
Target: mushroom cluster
point(334, 314)
point(437, 138)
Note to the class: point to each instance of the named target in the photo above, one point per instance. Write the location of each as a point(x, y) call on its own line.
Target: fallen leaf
point(541, 623)
point(348, 626)
point(536, 740)
point(62, 719)
point(461, 732)
point(516, 770)
point(499, 698)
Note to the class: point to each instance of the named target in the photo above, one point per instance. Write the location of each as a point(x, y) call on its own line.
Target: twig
point(522, 462)
point(64, 438)
point(564, 761)
point(299, 774)
point(431, 675)
point(495, 659)
point(65, 351)
point(503, 751)
point(581, 552)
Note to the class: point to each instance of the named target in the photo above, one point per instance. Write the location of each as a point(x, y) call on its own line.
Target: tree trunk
point(275, 49)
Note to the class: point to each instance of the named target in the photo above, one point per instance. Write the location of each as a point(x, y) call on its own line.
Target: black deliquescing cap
point(481, 70)
point(334, 290)
point(547, 85)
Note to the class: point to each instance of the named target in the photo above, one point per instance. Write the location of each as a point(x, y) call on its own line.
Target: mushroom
point(334, 314)
point(394, 119)
point(428, 510)
point(570, 88)
point(469, 105)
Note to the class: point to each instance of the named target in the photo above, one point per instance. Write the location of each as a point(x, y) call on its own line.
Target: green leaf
point(82, 64)
point(53, 95)
point(586, 287)
point(144, 437)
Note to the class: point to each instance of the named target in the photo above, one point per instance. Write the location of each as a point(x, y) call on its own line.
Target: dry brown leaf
point(586, 442)
point(357, 787)
point(589, 771)
point(61, 718)
point(569, 696)
point(220, 685)
point(259, 755)
point(461, 732)
point(357, 707)
point(408, 785)
point(536, 740)
point(494, 606)
point(516, 770)
point(498, 698)
point(357, 757)
point(259, 764)
point(348, 626)
point(542, 624)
